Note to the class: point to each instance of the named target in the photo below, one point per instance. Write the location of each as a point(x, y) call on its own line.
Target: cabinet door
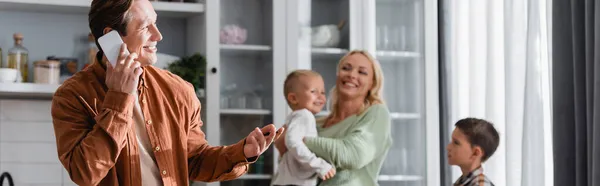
point(396, 37)
point(320, 33)
point(240, 47)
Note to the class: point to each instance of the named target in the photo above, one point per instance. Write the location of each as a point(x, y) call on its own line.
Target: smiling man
point(135, 124)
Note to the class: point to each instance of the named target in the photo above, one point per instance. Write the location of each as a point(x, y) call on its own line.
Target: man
point(134, 124)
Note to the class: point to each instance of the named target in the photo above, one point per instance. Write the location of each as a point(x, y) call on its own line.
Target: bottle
point(18, 57)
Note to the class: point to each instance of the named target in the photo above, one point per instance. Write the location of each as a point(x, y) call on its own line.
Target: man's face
point(142, 32)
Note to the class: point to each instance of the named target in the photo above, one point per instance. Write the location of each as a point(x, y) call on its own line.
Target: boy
point(473, 142)
point(304, 91)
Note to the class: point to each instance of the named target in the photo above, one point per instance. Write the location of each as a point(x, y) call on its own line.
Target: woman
point(355, 137)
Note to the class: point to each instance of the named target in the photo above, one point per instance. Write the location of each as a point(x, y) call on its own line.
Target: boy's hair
point(480, 133)
point(291, 81)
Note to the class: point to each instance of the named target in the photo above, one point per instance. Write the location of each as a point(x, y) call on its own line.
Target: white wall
point(65, 35)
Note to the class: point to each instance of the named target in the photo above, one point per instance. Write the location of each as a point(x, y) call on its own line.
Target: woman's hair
point(374, 96)
point(113, 14)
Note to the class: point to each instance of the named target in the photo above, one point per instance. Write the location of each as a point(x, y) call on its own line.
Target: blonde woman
point(355, 137)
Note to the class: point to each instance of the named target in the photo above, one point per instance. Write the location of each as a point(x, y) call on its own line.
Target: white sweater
point(300, 166)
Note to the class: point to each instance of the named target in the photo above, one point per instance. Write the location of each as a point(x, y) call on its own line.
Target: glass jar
point(47, 72)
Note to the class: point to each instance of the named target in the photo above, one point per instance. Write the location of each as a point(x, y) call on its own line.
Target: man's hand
point(329, 174)
point(280, 142)
point(258, 141)
point(125, 75)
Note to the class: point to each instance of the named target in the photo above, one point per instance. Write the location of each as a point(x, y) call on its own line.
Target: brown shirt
point(96, 140)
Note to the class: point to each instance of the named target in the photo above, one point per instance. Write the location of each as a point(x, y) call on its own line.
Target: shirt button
point(157, 148)
point(164, 172)
point(149, 122)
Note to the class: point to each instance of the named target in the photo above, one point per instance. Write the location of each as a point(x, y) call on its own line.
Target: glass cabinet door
point(246, 83)
point(242, 55)
point(398, 47)
point(320, 34)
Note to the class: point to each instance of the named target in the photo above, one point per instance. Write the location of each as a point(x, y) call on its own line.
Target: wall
point(65, 35)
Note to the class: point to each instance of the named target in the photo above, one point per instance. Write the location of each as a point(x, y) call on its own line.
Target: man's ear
point(106, 30)
point(291, 97)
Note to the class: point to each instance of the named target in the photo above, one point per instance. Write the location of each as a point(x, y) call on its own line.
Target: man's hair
point(480, 133)
point(108, 13)
point(291, 81)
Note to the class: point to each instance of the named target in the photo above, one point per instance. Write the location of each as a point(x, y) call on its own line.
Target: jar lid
point(47, 62)
point(61, 59)
point(18, 36)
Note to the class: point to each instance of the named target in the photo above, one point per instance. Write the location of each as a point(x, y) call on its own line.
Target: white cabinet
point(402, 36)
point(244, 80)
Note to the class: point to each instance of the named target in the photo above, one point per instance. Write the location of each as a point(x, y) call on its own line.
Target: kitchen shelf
point(395, 54)
point(246, 111)
point(395, 2)
point(242, 50)
point(399, 178)
point(398, 115)
point(324, 51)
point(255, 177)
point(393, 115)
point(168, 9)
point(27, 90)
point(245, 47)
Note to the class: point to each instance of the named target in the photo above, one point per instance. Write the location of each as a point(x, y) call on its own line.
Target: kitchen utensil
point(233, 34)
point(326, 35)
point(8, 178)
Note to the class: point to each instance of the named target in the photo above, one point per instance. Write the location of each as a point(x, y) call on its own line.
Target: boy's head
point(305, 89)
point(473, 141)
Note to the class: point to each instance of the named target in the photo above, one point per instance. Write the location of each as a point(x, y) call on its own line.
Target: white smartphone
point(111, 46)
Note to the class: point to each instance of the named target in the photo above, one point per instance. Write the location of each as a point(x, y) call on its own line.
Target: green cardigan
point(356, 146)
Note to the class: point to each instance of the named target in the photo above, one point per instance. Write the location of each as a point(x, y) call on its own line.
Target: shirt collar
point(465, 179)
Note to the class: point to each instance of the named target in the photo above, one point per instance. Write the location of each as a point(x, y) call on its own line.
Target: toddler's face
point(310, 94)
point(459, 150)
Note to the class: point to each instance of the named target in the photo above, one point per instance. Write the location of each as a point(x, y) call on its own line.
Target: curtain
point(497, 67)
point(576, 92)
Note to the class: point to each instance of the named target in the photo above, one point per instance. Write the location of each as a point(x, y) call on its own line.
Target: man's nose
point(156, 35)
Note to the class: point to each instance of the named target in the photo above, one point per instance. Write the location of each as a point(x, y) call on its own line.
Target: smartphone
point(269, 133)
point(111, 46)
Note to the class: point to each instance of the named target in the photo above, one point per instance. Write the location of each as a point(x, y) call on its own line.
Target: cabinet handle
point(213, 70)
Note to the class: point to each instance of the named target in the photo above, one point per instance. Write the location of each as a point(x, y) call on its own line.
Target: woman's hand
point(280, 142)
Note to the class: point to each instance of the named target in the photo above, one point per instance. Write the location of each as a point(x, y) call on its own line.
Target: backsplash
point(27, 144)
